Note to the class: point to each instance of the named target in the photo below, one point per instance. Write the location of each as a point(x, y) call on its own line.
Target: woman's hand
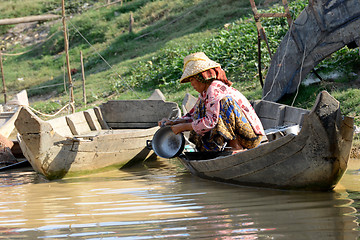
point(164, 122)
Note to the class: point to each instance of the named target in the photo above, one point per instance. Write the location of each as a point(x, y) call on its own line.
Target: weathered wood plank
point(100, 118)
point(60, 126)
point(247, 156)
point(77, 123)
point(132, 125)
point(266, 110)
point(92, 120)
point(280, 116)
point(301, 146)
point(124, 111)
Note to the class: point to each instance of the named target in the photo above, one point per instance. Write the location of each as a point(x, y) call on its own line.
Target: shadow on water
point(161, 200)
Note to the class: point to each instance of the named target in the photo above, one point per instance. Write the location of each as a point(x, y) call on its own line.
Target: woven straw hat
point(196, 63)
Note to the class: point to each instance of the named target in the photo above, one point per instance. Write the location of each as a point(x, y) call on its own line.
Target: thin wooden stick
point(131, 22)
point(259, 60)
point(2, 75)
point(67, 58)
point(83, 77)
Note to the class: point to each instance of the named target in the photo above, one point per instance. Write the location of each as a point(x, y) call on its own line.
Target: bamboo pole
point(259, 60)
point(2, 75)
point(83, 77)
point(131, 22)
point(67, 58)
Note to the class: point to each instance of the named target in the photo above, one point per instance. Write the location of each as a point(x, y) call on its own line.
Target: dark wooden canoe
point(109, 136)
point(315, 158)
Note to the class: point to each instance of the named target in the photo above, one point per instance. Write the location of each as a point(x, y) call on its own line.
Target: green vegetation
point(151, 56)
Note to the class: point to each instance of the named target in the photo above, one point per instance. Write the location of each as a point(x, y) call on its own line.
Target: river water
point(161, 200)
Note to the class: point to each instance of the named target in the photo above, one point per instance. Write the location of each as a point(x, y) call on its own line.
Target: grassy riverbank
point(150, 57)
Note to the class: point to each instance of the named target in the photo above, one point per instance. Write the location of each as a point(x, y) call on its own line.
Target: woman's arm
point(187, 118)
point(181, 127)
point(165, 121)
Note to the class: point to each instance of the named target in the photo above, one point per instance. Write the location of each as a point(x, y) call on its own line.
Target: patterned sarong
point(232, 124)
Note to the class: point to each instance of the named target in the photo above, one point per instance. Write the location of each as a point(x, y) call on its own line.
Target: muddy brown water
point(161, 200)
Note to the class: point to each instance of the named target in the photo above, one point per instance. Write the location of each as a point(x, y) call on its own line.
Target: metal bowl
point(166, 143)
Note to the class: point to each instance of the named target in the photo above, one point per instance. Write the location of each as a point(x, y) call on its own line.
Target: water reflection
point(161, 200)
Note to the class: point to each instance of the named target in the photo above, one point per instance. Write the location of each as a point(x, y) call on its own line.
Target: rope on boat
point(298, 86)
point(50, 115)
point(282, 60)
point(30, 89)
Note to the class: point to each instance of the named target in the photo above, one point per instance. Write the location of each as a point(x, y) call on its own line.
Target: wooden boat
point(111, 135)
point(313, 158)
point(9, 150)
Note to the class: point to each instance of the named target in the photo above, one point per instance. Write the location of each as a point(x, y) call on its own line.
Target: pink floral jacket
point(217, 91)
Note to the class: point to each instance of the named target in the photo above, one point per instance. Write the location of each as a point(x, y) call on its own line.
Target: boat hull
point(78, 144)
point(73, 156)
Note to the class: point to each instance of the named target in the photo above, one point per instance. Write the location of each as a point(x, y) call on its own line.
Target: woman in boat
point(222, 118)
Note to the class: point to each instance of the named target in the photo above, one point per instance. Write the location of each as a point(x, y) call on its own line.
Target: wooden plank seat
point(285, 115)
point(60, 126)
point(119, 114)
point(81, 124)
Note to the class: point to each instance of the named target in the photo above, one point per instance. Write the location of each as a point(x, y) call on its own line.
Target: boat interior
point(279, 120)
point(113, 116)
